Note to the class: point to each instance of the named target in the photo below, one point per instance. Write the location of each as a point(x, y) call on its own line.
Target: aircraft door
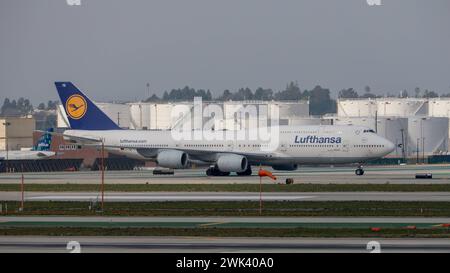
point(283, 147)
point(345, 146)
point(230, 145)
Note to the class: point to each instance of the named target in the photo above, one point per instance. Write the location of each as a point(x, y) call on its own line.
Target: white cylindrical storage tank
point(231, 109)
point(356, 107)
point(402, 107)
point(427, 135)
point(245, 113)
point(119, 113)
point(305, 121)
point(439, 107)
point(161, 116)
point(358, 121)
point(395, 130)
point(183, 117)
point(291, 109)
point(139, 115)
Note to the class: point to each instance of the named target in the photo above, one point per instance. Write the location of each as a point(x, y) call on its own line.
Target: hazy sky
point(112, 48)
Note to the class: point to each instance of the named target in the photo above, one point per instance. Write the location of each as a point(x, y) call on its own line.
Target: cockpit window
point(369, 131)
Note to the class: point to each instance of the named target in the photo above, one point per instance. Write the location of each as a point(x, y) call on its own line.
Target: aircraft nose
point(390, 147)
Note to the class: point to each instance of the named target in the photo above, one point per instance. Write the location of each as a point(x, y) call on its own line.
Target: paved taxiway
point(319, 175)
point(227, 196)
point(242, 222)
point(217, 245)
point(222, 222)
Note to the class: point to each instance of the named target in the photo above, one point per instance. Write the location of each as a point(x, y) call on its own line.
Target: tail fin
point(81, 112)
point(44, 142)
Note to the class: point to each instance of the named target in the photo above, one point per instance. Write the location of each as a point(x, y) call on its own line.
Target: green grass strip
point(229, 232)
point(244, 208)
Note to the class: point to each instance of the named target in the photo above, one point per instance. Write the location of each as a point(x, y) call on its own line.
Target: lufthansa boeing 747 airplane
point(295, 145)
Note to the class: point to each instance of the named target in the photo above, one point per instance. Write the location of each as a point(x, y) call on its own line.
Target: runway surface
point(317, 175)
point(224, 222)
point(217, 245)
point(227, 196)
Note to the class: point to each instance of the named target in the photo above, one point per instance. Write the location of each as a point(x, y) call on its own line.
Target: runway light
point(411, 227)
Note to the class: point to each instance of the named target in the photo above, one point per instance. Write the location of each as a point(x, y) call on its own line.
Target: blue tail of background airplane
point(44, 142)
point(81, 112)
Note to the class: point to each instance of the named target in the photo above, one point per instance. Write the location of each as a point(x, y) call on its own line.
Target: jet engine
point(232, 163)
point(172, 159)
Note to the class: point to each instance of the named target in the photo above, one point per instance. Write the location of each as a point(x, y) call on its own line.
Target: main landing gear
point(359, 171)
point(247, 172)
point(214, 171)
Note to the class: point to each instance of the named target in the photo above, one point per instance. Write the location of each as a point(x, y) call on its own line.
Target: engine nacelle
point(232, 163)
point(172, 159)
point(285, 167)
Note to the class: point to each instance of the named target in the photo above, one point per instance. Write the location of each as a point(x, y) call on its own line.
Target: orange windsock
point(262, 173)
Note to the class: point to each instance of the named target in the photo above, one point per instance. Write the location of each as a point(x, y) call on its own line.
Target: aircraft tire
point(359, 172)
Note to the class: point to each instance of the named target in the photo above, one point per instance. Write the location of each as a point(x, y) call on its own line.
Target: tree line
point(319, 98)
point(23, 107)
point(320, 101)
point(350, 93)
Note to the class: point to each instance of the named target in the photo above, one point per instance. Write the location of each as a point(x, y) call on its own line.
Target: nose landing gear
point(359, 171)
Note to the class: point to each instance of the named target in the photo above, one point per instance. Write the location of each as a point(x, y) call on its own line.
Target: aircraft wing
point(46, 154)
point(213, 155)
point(83, 140)
point(210, 155)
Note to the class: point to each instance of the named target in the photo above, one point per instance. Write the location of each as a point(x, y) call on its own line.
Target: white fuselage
point(295, 145)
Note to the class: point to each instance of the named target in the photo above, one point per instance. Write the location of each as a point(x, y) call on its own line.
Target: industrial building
point(16, 132)
point(392, 107)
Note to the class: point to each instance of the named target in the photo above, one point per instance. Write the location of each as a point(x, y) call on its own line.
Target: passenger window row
point(368, 146)
point(313, 146)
